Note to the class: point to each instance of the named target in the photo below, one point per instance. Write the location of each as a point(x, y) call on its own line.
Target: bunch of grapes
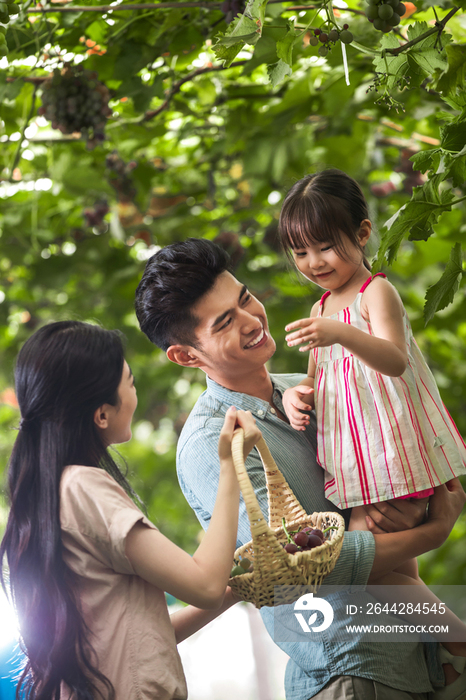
point(304, 540)
point(7, 9)
point(330, 38)
point(94, 216)
point(243, 567)
point(119, 176)
point(74, 100)
point(385, 14)
point(231, 8)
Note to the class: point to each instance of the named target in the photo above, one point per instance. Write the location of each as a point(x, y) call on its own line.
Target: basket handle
point(282, 501)
point(260, 530)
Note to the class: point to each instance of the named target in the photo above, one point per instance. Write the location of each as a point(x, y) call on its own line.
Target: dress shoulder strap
point(368, 281)
point(324, 296)
point(321, 305)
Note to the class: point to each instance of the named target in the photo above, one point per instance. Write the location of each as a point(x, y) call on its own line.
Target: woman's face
point(119, 417)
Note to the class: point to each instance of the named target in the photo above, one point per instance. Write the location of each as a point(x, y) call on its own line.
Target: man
point(191, 306)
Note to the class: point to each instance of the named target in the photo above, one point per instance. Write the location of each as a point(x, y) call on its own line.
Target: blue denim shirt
point(401, 665)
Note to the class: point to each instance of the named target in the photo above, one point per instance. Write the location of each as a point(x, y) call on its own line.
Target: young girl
point(87, 569)
point(383, 431)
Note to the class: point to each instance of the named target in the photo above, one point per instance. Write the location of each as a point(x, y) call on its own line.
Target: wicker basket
point(273, 566)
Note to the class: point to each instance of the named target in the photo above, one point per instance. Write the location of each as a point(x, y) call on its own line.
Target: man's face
point(233, 335)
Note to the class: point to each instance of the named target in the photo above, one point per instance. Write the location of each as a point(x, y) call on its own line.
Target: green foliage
point(211, 124)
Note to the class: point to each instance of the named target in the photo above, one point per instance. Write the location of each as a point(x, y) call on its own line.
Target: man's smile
point(260, 339)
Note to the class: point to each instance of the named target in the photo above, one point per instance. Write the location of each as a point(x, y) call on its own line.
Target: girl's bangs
point(303, 224)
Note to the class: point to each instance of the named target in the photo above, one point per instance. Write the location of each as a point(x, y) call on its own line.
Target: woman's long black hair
point(64, 372)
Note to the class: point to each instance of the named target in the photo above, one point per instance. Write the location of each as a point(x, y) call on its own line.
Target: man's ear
point(183, 355)
point(101, 417)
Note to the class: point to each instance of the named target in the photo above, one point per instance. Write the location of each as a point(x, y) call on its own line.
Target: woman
point(87, 568)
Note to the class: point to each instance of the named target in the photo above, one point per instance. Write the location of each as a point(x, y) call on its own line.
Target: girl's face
point(116, 420)
point(322, 264)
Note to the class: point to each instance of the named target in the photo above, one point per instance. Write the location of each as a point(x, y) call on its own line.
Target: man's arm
point(393, 549)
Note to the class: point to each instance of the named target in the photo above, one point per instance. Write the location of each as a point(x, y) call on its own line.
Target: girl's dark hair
point(64, 372)
point(326, 207)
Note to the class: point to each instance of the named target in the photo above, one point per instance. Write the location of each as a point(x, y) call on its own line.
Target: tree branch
point(176, 87)
point(167, 6)
point(438, 29)
point(117, 8)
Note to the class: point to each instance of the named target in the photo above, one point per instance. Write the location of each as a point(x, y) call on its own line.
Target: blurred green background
point(195, 150)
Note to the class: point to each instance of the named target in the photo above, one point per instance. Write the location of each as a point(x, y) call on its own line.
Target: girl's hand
point(296, 400)
point(238, 419)
point(316, 332)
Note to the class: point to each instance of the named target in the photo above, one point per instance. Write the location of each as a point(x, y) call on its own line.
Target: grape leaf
point(285, 45)
point(394, 67)
point(278, 71)
point(227, 54)
point(246, 28)
point(441, 294)
point(415, 220)
point(454, 167)
point(455, 75)
point(454, 135)
point(430, 60)
point(434, 202)
point(426, 160)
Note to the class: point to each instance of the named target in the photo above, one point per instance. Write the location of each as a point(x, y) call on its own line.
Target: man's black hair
point(174, 280)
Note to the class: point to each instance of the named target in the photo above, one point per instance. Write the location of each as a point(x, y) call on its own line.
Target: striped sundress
point(380, 437)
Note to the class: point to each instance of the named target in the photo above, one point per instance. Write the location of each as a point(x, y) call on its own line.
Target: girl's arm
point(385, 351)
point(201, 579)
point(190, 619)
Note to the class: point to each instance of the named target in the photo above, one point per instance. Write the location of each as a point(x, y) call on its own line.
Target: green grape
point(380, 24)
point(346, 36)
point(13, 9)
point(237, 571)
point(394, 20)
point(323, 51)
point(333, 35)
point(313, 41)
point(400, 9)
point(385, 11)
point(372, 12)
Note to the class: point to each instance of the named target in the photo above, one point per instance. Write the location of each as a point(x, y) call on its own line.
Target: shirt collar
point(258, 407)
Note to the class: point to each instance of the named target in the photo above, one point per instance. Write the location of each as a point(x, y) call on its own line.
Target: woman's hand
point(296, 400)
point(238, 419)
point(316, 332)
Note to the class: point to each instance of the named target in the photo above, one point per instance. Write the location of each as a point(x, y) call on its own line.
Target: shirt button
point(260, 412)
point(272, 410)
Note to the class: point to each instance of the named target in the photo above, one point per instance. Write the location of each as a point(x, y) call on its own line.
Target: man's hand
point(395, 515)
point(295, 400)
point(316, 332)
point(445, 506)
